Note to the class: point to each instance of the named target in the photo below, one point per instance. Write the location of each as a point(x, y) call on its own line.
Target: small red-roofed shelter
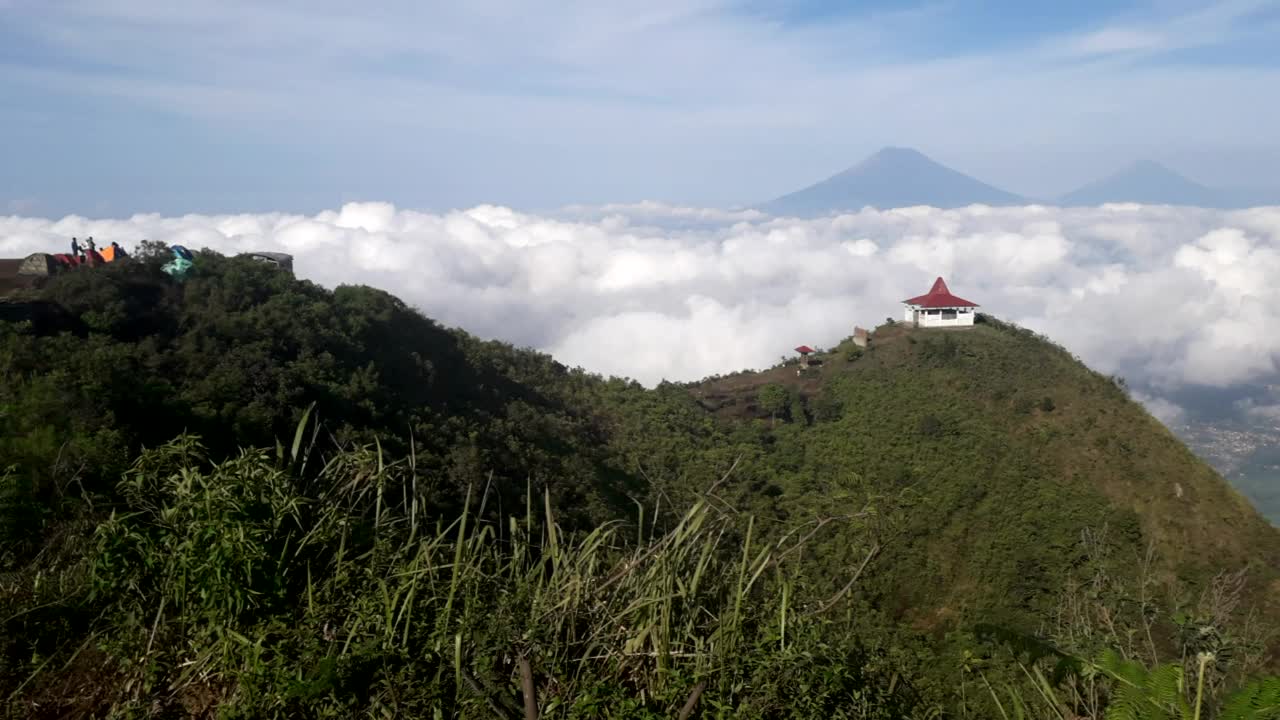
point(804, 351)
point(939, 308)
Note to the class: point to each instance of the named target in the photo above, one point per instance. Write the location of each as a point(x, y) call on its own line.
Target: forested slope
point(239, 351)
point(299, 548)
point(1003, 450)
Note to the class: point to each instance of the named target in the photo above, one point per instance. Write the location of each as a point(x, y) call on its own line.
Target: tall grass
point(262, 589)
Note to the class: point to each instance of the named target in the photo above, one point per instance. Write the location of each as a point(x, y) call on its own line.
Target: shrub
point(270, 595)
point(930, 426)
point(774, 399)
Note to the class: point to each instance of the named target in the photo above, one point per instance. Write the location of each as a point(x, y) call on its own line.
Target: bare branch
point(875, 549)
point(526, 687)
point(726, 475)
point(692, 702)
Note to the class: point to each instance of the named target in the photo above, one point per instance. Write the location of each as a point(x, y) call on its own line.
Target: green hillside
point(246, 495)
point(1004, 449)
point(238, 352)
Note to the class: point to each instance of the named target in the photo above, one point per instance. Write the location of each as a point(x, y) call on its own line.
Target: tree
point(827, 407)
point(798, 412)
point(773, 399)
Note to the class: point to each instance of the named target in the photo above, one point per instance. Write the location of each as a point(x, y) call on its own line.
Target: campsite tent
point(66, 261)
point(177, 268)
point(38, 264)
point(110, 254)
point(180, 265)
point(280, 260)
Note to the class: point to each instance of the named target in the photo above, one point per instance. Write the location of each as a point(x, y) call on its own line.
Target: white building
point(939, 308)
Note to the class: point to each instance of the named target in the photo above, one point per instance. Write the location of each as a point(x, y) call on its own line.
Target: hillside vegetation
point(1004, 448)
point(248, 496)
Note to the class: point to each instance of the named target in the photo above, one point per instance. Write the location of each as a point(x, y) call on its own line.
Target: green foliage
point(931, 426)
point(201, 530)
point(1114, 687)
point(18, 515)
point(239, 348)
point(774, 399)
point(940, 350)
point(849, 350)
point(1144, 694)
point(1258, 700)
point(437, 508)
point(242, 586)
point(264, 594)
point(827, 408)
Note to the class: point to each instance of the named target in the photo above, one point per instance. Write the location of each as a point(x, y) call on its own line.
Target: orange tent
point(109, 253)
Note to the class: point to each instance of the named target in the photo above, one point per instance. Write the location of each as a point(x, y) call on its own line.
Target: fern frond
point(1259, 700)
point(1128, 702)
point(1165, 689)
point(1128, 672)
point(1033, 648)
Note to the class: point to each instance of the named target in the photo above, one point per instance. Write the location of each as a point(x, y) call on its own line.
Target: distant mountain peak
point(895, 157)
point(896, 152)
point(1144, 181)
point(1148, 165)
point(891, 177)
point(1151, 168)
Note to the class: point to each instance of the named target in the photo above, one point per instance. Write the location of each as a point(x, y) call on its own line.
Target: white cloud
point(1165, 296)
point(1161, 409)
point(1260, 411)
point(1114, 40)
point(660, 212)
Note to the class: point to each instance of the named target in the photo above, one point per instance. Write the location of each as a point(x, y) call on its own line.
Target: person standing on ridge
point(75, 248)
point(90, 244)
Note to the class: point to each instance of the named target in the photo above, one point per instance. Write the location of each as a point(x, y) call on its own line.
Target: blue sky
point(121, 106)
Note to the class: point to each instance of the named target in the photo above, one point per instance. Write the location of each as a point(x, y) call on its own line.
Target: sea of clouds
point(1168, 297)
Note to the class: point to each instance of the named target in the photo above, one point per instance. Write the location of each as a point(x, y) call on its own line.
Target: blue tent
point(180, 265)
point(177, 268)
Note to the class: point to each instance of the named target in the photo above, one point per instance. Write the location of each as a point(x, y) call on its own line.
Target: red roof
point(939, 297)
point(804, 349)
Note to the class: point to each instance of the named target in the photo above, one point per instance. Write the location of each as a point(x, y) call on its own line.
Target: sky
point(114, 107)
point(1179, 301)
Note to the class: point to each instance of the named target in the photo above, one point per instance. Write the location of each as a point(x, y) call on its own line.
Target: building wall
point(940, 318)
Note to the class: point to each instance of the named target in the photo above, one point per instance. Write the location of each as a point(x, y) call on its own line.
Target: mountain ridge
point(1018, 418)
point(1146, 182)
point(891, 177)
point(895, 177)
